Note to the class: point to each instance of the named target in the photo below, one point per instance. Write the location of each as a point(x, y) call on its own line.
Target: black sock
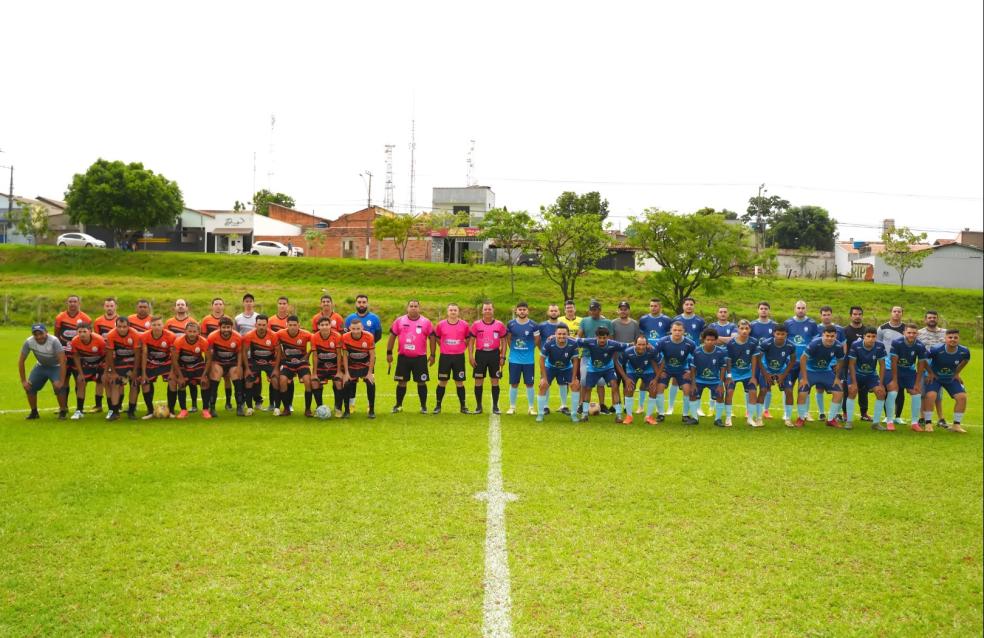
point(495, 396)
point(478, 396)
point(338, 394)
point(440, 394)
point(258, 391)
point(248, 396)
point(401, 391)
point(228, 394)
point(79, 403)
point(240, 395)
point(183, 398)
point(371, 396)
point(319, 396)
point(274, 397)
point(148, 397)
point(307, 400)
point(461, 395)
point(194, 396)
point(289, 399)
point(350, 391)
point(172, 398)
point(99, 401)
point(422, 395)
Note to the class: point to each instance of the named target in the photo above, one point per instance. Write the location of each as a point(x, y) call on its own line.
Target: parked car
point(266, 247)
point(79, 239)
point(528, 259)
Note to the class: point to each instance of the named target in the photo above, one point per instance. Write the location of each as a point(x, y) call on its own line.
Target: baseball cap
point(623, 304)
point(38, 327)
point(594, 305)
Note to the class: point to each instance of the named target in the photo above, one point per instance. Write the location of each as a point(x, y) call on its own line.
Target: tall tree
point(570, 204)
point(510, 231)
point(802, 227)
point(122, 198)
point(401, 229)
point(570, 247)
point(728, 214)
point(899, 254)
point(761, 209)
point(695, 252)
point(263, 198)
point(32, 221)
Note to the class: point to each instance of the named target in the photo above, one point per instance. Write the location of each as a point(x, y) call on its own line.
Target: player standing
point(744, 359)
point(866, 368)
point(358, 362)
point(487, 354)
point(820, 369)
point(326, 348)
point(293, 343)
point(278, 322)
point(801, 330)
point(223, 358)
point(452, 336)
point(946, 362)
point(246, 320)
point(66, 328)
point(413, 331)
point(188, 364)
point(777, 368)
point(931, 335)
point(655, 325)
point(763, 327)
point(522, 335)
point(122, 359)
point(260, 356)
point(327, 312)
point(50, 366)
point(89, 353)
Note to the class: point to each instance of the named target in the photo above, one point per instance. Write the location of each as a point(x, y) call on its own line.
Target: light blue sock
point(890, 405)
point(529, 397)
point(850, 410)
point(767, 402)
point(673, 393)
point(513, 393)
point(713, 405)
point(660, 407)
point(563, 395)
point(686, 404)
point(957, 417)
point(651, 404)
point(750, 409)
point(540, 402)
point(820, 398)
point(630, 404)
point(585, 406)
point(573, 406)
point(618, 409)
point(787, 410)
point(928, 416)
point(915, 404)
point(879, 406)
point(643, 397)
point(802, 409)
point(719, 409)
point(729, 410)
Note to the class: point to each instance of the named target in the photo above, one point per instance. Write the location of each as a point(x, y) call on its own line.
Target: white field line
point(497, 607)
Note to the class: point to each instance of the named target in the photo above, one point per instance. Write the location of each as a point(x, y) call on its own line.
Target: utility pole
point(413, 164)
point(369, 198)
point(759, 230)
point(10, 204)
point(369, 211)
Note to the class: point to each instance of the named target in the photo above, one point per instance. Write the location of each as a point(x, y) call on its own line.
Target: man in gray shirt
point(246, 320)
point(50, 366)
point(887, 333)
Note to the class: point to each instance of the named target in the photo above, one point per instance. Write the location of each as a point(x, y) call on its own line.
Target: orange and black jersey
point(358, 350)
point(124, 348)
point(190, 354)
point(293, 348)
point(67, 326)
point(158, 348)
point(178, 326)
point(138, 323)
point(103, 325)
point(91, 354)
point(276, 324)
point(225, 351)
point(210, 324)
point(326, 349)
point(260, 351)
point(337, 323)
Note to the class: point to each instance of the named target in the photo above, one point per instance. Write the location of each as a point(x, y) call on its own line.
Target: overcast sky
point(869, 109)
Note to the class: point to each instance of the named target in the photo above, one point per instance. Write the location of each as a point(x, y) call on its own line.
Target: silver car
point(80, 239)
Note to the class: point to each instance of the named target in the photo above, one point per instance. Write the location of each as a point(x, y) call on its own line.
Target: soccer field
point(299, 526)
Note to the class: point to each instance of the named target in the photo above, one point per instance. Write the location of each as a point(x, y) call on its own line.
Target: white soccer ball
point(248, 411)
point(161, 412)
point(323, 412)
point(594, 409)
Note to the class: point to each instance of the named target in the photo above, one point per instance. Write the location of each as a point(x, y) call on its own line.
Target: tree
point(31, 221)
point(401, 229)
point(899, 254)
point(728, 214)
point(123, 198)
point(761, 210)
point(802, 227)
point(238, 206)
point(314, 238)
point(263, 198)
point(511, 232)
point(696, 252)
point(570, 247)
point(570, 204)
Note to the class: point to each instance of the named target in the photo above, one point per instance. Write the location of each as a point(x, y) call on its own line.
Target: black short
point(153, 372)
point(359, 373)
point(193, 376)
point(451, 366)
point(91, 373)
point(487, 365)
point(327, 374)
point(257, 371)
point(227, 366)
point(411, 366)
point(299, 371)
point(124, 376)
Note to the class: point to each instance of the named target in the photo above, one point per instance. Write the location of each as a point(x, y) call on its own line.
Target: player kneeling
point(559, 356)
point(358, 362)
point(155, 362)
point(188, 364)
point(946, 361)
point(816, 372)
point(88, 353)
point(640, 364)
point(260, 355)
point(865, 369)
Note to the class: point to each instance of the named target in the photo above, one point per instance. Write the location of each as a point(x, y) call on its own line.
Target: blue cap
point(38, 327)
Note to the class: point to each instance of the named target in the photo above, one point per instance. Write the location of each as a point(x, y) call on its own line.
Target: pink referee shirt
point(488, 335)
point(412, 335)
point(453, 336)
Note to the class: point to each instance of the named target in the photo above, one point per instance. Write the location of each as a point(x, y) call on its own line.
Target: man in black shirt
point(852, 332)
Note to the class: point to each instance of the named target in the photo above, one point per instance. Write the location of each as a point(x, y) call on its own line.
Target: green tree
point(728, 214)
point(401, 229)
point(122, 198)
point(570, 247)
point(802, 227)
point(32, 221)
point(314, 238)
point(899, 254)
point(570, 204)
point(263, 198)
point(760, 212)
point(510, 232)
point(695, 252)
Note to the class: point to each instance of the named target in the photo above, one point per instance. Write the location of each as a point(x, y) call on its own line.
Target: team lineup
point(644, 363)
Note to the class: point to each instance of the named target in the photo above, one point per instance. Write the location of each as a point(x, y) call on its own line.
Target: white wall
point(949, 266)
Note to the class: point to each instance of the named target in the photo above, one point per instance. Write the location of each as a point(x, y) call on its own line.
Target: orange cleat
point(890, 426)
point(627, 419)
point(917, 428)
point(206, 414)
point(651, 420)
point(183, 414)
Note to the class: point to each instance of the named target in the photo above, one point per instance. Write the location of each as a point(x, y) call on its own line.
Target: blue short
point(595, 377)
point(646, 378)
point(562, 377)
point(748, 385)
point(868, 384)
point(665, 378)
point(42, 374)
point(521, 370)
point(907, 378)
point(952, 386)
point(824, 381)
point(717, 390)
point(765, 380)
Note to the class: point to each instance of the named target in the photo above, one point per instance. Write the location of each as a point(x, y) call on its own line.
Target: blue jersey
point(654, 328)
point(370, 323)
point(639, 364)
point(865, 360)
point(944, 363)
point(556, 357)
point(906, 355)
point(801, 333)
point(521, 345)
point(725, 329)
point(821, 358)
point(776, 358)
point(675, 356)
point(841, 335)
point(547, 329)
point(692, 326)
point(762, 329)
point(600, 357)
point(708, 365)
point(741, 356)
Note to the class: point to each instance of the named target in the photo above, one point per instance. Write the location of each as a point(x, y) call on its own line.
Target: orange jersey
point(358, 350)
point(90, 354)
point(103, 325)
point(260, 351)
point(191, 356)
point(124, 348)
point(225, 351)
point(178, 326)
point(276, 324)
point(67, 326)
point(293, 349)
point(210, 324)
point(326, 350)
point(138, 324)
point(158, 348)
point(337, 323)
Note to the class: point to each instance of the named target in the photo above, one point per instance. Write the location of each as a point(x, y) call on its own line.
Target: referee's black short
point(451, 366)
point(407, 367)
point(487, 365)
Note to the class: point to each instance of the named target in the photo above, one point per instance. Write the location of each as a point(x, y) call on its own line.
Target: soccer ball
point(161, 412)
point(323, 412)
point(594, 409)
point(248, 411)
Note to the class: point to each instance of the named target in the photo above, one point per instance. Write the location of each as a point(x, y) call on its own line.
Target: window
point(348, 244)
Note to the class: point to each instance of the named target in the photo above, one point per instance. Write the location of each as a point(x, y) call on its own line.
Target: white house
point(950, 265)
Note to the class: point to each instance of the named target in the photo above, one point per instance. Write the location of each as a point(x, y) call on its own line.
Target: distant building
point(950, 265)
point(456, 245)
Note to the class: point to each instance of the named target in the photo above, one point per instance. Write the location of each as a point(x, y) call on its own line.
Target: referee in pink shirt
point(413, 332)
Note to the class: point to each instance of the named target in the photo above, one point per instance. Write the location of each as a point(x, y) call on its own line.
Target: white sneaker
point(511, 410)
point(787, 422)
point(77, 415)
point(276, 412)
point(700, 412)
point(669, 412)
point(727, 423)
point(532, 411)
point(109, 414)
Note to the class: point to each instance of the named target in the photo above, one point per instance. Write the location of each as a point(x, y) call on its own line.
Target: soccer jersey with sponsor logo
point(358, 351)
point(123, 347)
point(158, 348)
point(452, 337)
point(655, 327)
point(90, 354)
point(261, 350)
point(487, 335)
point(178, 326)
point(210, 324)
point(742, 356)
point(521, 341)
point(548, 328)
point(277, 323)
point(675, 355)
point(103, 325)
point(412, 335)
point(574, 324)
point(191, 354)
point(326, 349)
point(906, 355)
point(726, 329)
point(293, 348)
point(225, 350)
point(370, 323)
point(776, 358)
point(801, 332)
point(67, 326)
point(762, 329)
point(838, 330)
point(639, 363)
point(559, 357)
point(944, 363)
point(600, 357)
point(821, 358)
point(138, 323)
point(337, 323)
point(692, 326)
point(866, 359)
point(708, 365)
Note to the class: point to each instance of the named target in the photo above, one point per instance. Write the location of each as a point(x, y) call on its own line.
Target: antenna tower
point(413, 164)
point(388, 195)
point(470, 179)
point(273, 123)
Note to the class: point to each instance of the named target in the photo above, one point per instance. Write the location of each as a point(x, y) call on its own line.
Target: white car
point(266, 247)
point(80, 239)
